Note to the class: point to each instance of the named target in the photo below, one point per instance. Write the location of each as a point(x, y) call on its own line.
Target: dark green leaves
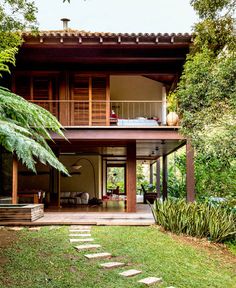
point(24, 128)
point(195, 219)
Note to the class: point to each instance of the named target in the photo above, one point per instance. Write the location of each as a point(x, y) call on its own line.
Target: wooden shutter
point(41, 90)
point(44, 92)
point(99, 97)
point(22, 86)
point(81, 95)
point(89, 95)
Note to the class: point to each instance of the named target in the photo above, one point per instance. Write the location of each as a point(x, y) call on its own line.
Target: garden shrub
point(195, 219)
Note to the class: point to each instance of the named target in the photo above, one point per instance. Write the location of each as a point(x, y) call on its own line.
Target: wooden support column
point(164, 105)
point(190, 181)
point(158, 178)
point(131, 177)
point(14, 180)
point(151, 173)
point(164, 177)
point(66, 110)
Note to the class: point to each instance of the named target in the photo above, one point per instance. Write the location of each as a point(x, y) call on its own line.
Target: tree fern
point(24, 129)
point(7, 57)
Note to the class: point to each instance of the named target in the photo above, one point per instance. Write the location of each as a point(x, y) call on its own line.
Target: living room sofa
point(74, 198)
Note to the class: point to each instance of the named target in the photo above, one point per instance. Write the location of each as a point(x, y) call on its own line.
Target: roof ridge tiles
point(83, 33)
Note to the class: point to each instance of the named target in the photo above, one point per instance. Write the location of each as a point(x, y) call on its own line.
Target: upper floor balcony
point(95, 100)
point(104, 113)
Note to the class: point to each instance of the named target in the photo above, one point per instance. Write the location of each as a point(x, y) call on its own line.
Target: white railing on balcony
point(98, 113)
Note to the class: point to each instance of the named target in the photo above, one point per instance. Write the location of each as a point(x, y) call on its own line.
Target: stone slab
point(150, 280)
point(15, 228)
point(98, 255)
point(34, 228)
point(82, 240)
point(111, 265)
point(80, 231)
point(80, 227)
point(87, 246)
point(83, 235)
point(130, 273)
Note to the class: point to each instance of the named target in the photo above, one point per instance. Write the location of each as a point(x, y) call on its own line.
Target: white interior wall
point(83, 182)
point(137, 88)
point(78, 183)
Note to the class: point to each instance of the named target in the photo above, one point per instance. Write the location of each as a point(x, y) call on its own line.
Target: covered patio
point(99, 146)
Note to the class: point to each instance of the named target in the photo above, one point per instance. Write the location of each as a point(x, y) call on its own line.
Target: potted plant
point(172, 118)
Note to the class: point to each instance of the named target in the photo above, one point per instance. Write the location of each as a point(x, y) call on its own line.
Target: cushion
point(65, 194)
point(73, 194)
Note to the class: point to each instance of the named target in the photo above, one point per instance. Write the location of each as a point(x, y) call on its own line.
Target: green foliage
point(47, 259)
point(24, 129)
point(177, 174)
point(207, 96)
point(7, 57)
point(213, 9)
point(195, 219)
point(172, 102)
point(216, 29)
point(115, 177)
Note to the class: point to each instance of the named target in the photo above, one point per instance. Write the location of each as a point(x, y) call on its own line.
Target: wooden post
point(58, 189)
point(158, 174)
point(190, 180)
point(151, 173)
point(14, 180)
point(164, 177)
point(131, 177)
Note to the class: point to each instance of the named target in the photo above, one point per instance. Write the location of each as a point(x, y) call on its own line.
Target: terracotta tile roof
point(82, 33)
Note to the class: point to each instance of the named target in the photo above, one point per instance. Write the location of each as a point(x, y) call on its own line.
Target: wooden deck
point(109, 216)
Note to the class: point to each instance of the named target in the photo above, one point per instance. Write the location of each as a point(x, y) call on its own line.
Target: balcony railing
point(98, 113)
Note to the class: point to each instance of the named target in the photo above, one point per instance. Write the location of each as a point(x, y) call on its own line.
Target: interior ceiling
point(150, 149)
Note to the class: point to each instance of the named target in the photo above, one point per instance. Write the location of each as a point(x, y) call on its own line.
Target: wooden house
point(109, 92)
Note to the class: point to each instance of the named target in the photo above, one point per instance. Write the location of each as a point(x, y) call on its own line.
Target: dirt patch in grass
point(7, 238)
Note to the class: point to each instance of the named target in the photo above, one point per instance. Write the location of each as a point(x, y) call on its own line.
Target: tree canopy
point(207, 90)
point(24, 127)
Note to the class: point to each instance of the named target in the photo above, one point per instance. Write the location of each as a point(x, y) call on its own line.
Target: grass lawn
point(47, 259)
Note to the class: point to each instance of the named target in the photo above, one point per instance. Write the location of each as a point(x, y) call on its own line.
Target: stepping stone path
point(150, 280)
point(88, 246)
point(82, 240)
point(98, 255)
point(85, 231)
point(111, 265)
point(130, 273)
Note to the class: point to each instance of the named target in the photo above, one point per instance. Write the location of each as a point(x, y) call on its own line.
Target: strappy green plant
point(195, 219)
